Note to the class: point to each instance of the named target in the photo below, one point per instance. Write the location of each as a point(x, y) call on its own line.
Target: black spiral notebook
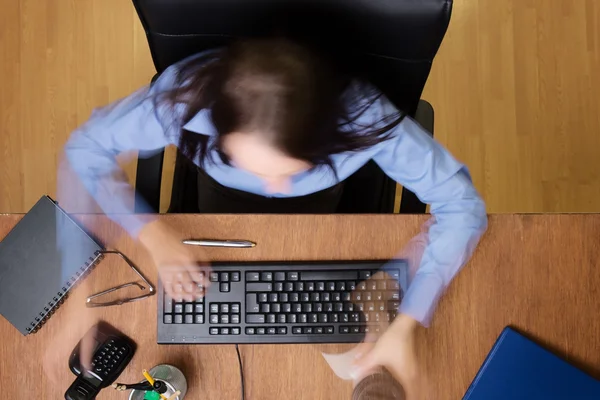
point(41, 259)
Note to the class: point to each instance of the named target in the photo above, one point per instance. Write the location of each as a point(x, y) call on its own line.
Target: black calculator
point(112, 352)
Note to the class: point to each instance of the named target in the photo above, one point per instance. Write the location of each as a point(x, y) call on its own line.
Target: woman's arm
point(128, 125)
point(422, 165)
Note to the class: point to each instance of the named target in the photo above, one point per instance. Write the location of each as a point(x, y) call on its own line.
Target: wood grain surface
point(538, 273)
point(514, 87)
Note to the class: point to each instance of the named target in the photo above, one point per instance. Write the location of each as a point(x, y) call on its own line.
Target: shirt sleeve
point(422, 165)
point(127, 125)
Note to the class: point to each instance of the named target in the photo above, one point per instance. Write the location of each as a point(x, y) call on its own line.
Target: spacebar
point(328, 275)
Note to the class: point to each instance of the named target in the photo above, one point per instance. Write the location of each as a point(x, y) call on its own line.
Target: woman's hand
point(394, 350)
point(184, 274)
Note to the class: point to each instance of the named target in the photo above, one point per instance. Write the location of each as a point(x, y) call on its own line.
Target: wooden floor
point(515, 87)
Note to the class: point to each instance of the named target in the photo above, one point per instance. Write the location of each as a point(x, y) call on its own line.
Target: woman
point(273, 126)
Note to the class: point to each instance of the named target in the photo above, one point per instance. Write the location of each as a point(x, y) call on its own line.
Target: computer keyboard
point(285, 302)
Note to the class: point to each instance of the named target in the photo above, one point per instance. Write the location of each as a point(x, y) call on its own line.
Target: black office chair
point(391, 42)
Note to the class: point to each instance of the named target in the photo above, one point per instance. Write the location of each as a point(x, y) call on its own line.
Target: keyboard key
point(214, 319)
point(224, 319)
point(286, 308)
point(225, 308)
point(278, 286)
point(291, 319)
point(323, 318)
point(346, 296)
point(307, 330)
point(214, 331)
point(318, 307)
point(224, 287)
point(265, 308)
point(168, 305)
point(235, 331)
point(315, 297)
point(329, 330)
point(224, 331)
point(396, 296)
point(364, 275)
point(355, 329)
point(313, 318)
point(378, 296)
point(344, 317)
point(260, 331)
point(189, 308)
point(168, 319)
point(251, 303)
point(189, 319)
point(199, 308)
point(348, 307)
point(292, 276)
point(395, 274)
point(355, 317)
point(281, 318)
point(320, 286)
point(266, 276)
point(270, 318)
point(259, 287)
point(382, 285)
point(224, 276)
point(255, 318)
point(340, 286)
point(282, 330)
point(214, 308)
point(294, 297)
point(262, 298)
point(288, 287)
point(393, 305)
point(328, 307)
point(368, 296)
point(325, 297)
point(199, 319)
point(299, 286)
point(283, 298)
point(296, 330)
point(273, 298)
point(302, 319)
point(330, 286)
point(305, 297)
point(336, 297)
point(318, 330)
point(252, 277)
point(324, 275)
point(235, 276)
point(393, 285)
point(306, 307)
point(380, 306)
point(297, 307)
point(276, 308)
point(335, 318)
point(178, 308)
point(271, 331)
point(250, 331)
point(351, 286)
point(235, 308)
point(179, 319)
point(235, 319)
point(280, 276)
point(310, 286)
point(362, 286)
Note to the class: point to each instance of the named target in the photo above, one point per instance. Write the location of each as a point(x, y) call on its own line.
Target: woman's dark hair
point(306, 107)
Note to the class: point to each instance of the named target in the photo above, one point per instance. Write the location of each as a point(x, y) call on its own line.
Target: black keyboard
point(291, 302)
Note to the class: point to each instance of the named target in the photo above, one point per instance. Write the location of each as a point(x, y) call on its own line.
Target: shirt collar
point(201, 123)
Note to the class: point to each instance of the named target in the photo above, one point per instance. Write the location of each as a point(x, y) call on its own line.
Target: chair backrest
point(391, 42)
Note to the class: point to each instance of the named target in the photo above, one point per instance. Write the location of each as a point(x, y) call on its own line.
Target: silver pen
point(219, 243)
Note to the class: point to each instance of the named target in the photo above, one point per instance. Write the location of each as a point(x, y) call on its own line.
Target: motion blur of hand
point(394, 349)
point(184, 275)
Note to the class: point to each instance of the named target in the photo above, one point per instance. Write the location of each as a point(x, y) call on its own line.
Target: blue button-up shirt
point(411, 157)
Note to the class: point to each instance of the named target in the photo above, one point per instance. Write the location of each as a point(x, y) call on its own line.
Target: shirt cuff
point(422, 297)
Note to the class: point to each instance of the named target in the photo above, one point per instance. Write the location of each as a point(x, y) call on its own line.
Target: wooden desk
point(539, 273)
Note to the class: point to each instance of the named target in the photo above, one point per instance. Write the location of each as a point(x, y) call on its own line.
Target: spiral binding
point(43, 316)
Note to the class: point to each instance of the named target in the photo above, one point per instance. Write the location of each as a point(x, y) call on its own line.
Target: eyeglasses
point(90, 303)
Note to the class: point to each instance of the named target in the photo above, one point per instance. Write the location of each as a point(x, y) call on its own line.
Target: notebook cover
point(519, 369)
point(41, 259)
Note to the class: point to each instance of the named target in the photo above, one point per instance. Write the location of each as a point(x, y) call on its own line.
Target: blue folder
point(519, 369)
